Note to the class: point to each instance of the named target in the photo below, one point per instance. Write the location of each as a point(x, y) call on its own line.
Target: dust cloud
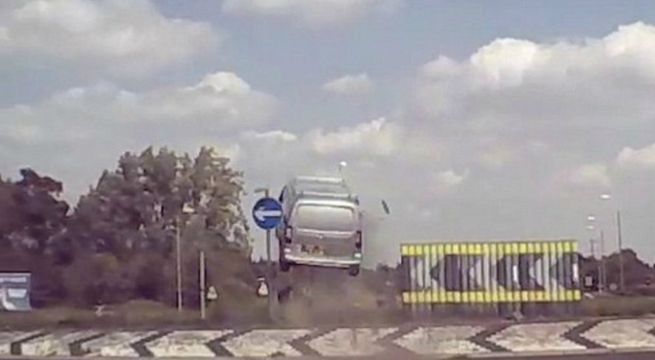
point(324, 296)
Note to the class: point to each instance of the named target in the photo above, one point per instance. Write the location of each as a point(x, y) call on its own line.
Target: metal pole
point(269, 272)
point(269, 266)
point(592, 244)
point(603, 274)
point(268, 239)
point(268, 249)
point(178, 260)
point(203, 297)
point(620, 240)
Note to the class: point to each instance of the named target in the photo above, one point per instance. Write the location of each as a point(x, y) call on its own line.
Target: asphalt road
point(587, 356)
point(598, 356)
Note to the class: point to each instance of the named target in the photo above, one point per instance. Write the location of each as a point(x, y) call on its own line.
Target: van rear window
point(326, 218)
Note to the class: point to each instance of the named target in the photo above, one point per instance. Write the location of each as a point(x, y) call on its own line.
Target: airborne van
point(321, 225)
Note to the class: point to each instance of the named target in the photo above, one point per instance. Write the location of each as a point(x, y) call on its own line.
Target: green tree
point(33, 222)
point(126, 226)
point(140, 205)
point(32, 215)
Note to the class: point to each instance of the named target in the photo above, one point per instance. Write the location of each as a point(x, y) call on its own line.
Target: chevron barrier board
point(504, 339)
point(500, 277)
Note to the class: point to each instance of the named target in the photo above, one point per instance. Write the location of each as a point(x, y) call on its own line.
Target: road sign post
point(267, 214)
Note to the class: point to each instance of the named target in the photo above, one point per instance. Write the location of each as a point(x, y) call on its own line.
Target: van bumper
point(325, 261)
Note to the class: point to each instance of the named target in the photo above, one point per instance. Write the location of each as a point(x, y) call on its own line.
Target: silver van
point(321, 225)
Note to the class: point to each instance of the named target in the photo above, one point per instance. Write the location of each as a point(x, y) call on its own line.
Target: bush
point(98, 279)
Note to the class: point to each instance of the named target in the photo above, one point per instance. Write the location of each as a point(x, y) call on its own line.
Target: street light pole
point(342, 165)
point(186, 209)
point(592, 248)
point(620, 241)
point(603, 273)
point(203, 296)
point(178, 263)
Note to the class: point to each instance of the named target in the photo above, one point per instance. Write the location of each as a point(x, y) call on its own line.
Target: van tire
point(285, 266)
point(353, 270)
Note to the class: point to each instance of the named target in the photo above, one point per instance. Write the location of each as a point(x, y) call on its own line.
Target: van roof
point(346, 196)
point(326, 202)
point(320, 185)
point(319, 179)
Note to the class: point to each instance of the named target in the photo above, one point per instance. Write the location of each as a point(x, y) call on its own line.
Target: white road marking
point(537, 337)
point(617, 334)
point(265, 343)
point(185, 343)
point(6, 338)
point(350, 342)
point(442, 340)
point(115, 344)
point(53, 344)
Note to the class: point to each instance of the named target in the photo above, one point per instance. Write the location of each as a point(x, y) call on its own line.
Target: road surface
point(592, 338)
point(597, 356)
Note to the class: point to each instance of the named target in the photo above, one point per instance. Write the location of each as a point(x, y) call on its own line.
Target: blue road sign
point(267, 213)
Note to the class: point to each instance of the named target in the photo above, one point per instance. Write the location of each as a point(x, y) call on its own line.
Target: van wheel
point(285, 266)
point(353, 270)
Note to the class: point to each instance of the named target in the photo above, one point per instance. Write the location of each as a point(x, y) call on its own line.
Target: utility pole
point(178, 261)
point(203, 297)
point(620, 241)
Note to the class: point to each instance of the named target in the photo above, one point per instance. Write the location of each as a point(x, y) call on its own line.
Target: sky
point(474, 120)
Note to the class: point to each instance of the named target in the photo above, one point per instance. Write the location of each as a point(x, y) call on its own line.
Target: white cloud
point(450, 179)
point(538, 85)
point(591, 175)
point(377, 137)
point(638, 158)
point(314, 13)
point(274, 135)
point(350, 85)
point(88, 127)
point(126, 37)
point(220, 101)
point(546, 106)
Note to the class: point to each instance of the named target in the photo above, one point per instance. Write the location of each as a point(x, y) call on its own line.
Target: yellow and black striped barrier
point(520, 272)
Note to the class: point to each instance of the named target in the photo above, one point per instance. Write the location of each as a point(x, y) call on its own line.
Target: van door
point(325, 229)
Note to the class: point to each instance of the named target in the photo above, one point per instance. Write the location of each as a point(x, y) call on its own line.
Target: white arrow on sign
point(261, 214)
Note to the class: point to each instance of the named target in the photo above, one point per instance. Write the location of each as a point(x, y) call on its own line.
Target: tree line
point(117, 243)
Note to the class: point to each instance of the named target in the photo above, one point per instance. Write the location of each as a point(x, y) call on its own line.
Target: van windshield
point(325, 218)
